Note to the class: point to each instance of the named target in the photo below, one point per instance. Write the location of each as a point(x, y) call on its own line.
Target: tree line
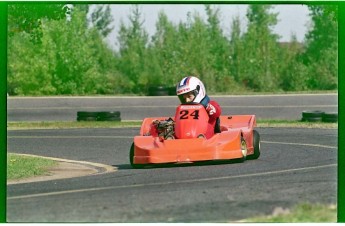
point(62, 51)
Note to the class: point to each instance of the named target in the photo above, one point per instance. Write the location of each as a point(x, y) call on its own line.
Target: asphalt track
point(137, 108)
point(296, 165)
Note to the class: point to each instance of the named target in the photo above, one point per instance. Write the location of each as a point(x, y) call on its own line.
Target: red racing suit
point(214, 111)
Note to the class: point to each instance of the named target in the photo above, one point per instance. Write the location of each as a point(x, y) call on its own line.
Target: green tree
point(101, 18)
point(70, 59)
point(190, 51)
point(261, 50)
point(165, 43)
point(236, 49)
point(219, 56)
point(237, 56)
point(133, 41)
point(75, 64)
point(321, 55)
point(195, 50)
point(28, 17)
point(294, 73)
point(81, 8)
point(30, 69)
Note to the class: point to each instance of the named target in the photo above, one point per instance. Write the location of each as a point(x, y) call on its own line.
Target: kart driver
point(191, 90)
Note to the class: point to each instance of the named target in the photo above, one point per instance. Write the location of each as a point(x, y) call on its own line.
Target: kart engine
point(165, 129)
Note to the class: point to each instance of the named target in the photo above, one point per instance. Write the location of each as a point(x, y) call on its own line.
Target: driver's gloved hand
point(210, 109)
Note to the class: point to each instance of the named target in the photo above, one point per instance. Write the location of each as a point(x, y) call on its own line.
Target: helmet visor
point(188, 97)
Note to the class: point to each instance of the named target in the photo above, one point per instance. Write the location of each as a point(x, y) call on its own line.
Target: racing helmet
point(191, 84)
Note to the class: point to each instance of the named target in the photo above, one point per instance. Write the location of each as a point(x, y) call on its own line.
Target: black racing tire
point(109, 114)
point(84, 114)
point(256, 144)
point(312, 116)
point(330, 120)
point(172, 91)
point(131, 159)
point(312, 119)
point(158, 91)
point(113, 119)
point(98, 116)
point(330, 117)
point(86, 118)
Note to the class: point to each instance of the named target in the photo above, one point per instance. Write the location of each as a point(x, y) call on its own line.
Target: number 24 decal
point(185, 114)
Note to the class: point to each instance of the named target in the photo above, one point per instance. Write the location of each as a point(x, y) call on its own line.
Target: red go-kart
point(181, 139)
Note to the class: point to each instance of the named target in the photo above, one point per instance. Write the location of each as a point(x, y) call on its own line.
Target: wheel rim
point(201, 136)
point(244, 148)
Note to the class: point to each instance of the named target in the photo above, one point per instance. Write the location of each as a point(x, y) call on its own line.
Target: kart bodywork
point(181, 139)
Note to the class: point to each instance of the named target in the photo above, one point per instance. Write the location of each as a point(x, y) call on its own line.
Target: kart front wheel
point(131, 159)
point(256, 144)
point(244, 149)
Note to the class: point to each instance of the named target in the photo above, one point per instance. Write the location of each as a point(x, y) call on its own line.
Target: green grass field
point(116, 124)
point(20, 167)
point(302, 213)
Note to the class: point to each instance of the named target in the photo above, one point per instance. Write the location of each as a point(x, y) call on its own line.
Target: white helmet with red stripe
point(191, 84)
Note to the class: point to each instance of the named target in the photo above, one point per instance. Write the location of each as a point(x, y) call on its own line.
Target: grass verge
point(116, 124)
point(302, 213)
point(295, 124)
point(71, 124)
point(20, 167)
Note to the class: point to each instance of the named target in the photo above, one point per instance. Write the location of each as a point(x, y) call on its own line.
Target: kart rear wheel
point(256, 144)
point(131, 159)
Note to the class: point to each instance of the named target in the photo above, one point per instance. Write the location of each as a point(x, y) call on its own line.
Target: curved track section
point(296, 165)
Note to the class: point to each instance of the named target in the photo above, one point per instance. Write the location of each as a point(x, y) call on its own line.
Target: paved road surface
point(296, 165)
point(136, 108)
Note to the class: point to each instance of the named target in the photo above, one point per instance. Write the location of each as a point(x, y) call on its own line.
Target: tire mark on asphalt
point(300, 144)
point(172, 182)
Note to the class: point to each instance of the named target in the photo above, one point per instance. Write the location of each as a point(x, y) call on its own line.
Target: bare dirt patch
point(61, 171)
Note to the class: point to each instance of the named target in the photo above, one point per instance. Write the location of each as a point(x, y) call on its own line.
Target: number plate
point(184, 107)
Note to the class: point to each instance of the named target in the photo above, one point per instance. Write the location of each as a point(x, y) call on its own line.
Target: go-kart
point(182, 139)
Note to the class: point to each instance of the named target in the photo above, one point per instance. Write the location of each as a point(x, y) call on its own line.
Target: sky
point(292, 19)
